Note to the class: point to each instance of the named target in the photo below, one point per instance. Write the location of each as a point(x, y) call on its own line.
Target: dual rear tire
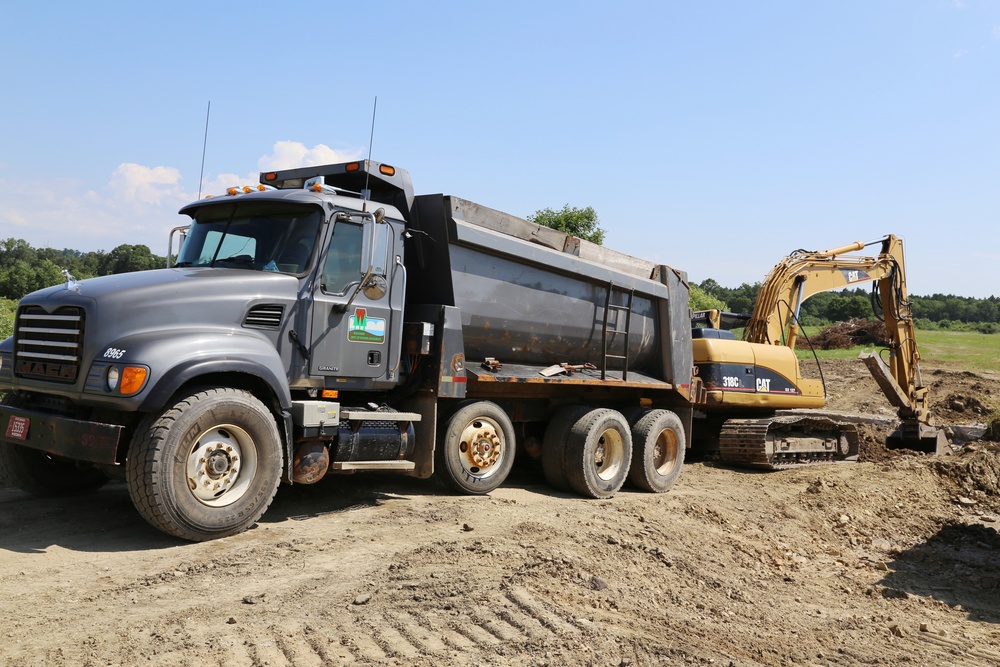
point(594, 451)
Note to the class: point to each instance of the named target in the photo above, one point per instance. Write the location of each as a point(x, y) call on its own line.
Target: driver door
point(352, 342)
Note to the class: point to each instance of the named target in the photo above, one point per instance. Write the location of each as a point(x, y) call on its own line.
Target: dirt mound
point(975, 474)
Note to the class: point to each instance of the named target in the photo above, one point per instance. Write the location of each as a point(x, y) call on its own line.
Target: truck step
point(373, 465)
point(374, 415)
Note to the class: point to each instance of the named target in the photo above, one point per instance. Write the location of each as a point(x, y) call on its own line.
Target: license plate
point(17, 427)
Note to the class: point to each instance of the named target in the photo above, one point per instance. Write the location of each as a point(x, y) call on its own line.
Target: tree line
point(938, 311)
point(24, 269)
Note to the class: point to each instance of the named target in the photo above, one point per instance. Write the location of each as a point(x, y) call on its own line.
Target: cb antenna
point(371, 139)
point(204, 146)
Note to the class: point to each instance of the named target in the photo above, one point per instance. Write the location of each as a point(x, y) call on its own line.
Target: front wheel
point(208, 467)
point(476, 448)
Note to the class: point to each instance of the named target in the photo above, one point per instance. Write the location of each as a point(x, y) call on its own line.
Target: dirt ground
point(892, 561)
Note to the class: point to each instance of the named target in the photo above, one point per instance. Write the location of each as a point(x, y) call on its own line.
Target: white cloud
point(289, 154)
point(137, 205)
point(137, 184)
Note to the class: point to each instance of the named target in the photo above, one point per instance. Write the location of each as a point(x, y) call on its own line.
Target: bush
point(7, 309)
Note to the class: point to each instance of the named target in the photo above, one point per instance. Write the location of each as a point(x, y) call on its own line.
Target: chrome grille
point(48, 345)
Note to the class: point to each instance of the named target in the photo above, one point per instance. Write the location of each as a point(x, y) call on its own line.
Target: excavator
point(751, 384)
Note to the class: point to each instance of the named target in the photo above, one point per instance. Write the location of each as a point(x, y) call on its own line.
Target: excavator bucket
point(918, 437)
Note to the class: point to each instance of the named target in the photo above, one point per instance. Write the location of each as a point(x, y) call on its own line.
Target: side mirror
point(375, 240)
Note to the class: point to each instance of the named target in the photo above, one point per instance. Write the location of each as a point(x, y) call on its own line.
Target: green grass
point(957, 350)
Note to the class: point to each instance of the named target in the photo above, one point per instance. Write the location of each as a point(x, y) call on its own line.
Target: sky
point(715, 137)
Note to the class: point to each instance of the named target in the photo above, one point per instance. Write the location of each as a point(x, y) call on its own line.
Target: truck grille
point(47, 345)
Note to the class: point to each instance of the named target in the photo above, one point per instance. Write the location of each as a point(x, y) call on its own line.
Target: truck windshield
point(261, 236)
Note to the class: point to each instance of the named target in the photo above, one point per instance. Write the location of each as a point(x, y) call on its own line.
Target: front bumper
point(71, 438)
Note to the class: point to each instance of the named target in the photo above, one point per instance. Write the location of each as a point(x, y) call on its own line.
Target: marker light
point(352, 166)
point(247, 189)
point(387, 170)
point(232, 191)
point(270, 176)
point(330, 393)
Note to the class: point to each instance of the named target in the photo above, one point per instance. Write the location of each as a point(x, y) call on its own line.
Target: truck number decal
point(730, 381)
point(113, 353)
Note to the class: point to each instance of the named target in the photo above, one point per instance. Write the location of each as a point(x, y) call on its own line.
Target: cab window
point(343, 261)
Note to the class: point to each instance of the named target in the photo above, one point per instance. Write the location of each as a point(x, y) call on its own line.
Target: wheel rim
point(481, 447)
point(665, 452)
point(221, 465)
point(609, 455)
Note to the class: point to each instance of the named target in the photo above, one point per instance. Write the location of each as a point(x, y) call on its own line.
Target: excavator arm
point(805, 273)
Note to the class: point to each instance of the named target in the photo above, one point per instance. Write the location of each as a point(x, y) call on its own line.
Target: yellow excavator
point(747, 382)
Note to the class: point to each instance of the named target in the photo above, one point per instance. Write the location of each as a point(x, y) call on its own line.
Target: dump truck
point(328, 320)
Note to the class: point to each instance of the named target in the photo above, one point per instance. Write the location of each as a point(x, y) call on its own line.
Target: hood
point(169, 298)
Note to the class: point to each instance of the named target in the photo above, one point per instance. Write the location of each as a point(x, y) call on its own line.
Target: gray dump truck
point(330, 321)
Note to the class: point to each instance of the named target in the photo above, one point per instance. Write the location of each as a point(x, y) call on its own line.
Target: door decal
point(364, 329)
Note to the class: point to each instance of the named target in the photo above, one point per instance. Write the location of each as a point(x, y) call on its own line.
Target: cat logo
point(764, 384)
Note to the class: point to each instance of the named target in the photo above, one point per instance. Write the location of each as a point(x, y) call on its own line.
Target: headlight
point(112, 378)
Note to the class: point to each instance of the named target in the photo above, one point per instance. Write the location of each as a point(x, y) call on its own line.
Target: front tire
point(208, 467)
point(477, 448)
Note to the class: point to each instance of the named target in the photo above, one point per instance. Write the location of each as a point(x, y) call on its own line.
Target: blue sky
point(715, 137)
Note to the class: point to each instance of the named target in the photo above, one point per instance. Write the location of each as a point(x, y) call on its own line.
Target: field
point(967, 350)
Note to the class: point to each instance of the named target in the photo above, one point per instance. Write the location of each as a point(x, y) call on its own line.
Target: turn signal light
point(132, 379)
point(330, 393)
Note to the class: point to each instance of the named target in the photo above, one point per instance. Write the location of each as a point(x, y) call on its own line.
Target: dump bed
point(534, 296)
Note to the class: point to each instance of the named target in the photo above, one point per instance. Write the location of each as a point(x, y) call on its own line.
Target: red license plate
point(17, 427)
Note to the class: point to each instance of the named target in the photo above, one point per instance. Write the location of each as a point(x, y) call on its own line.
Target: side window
point(343, 259)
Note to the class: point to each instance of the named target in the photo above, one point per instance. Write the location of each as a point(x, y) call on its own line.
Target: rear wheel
point(598, 453)
point(554, 446)
point(657, 451)
point(208, 467)
point(477, 448)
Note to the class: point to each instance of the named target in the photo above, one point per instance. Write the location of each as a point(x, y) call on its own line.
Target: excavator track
point(781, 443)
